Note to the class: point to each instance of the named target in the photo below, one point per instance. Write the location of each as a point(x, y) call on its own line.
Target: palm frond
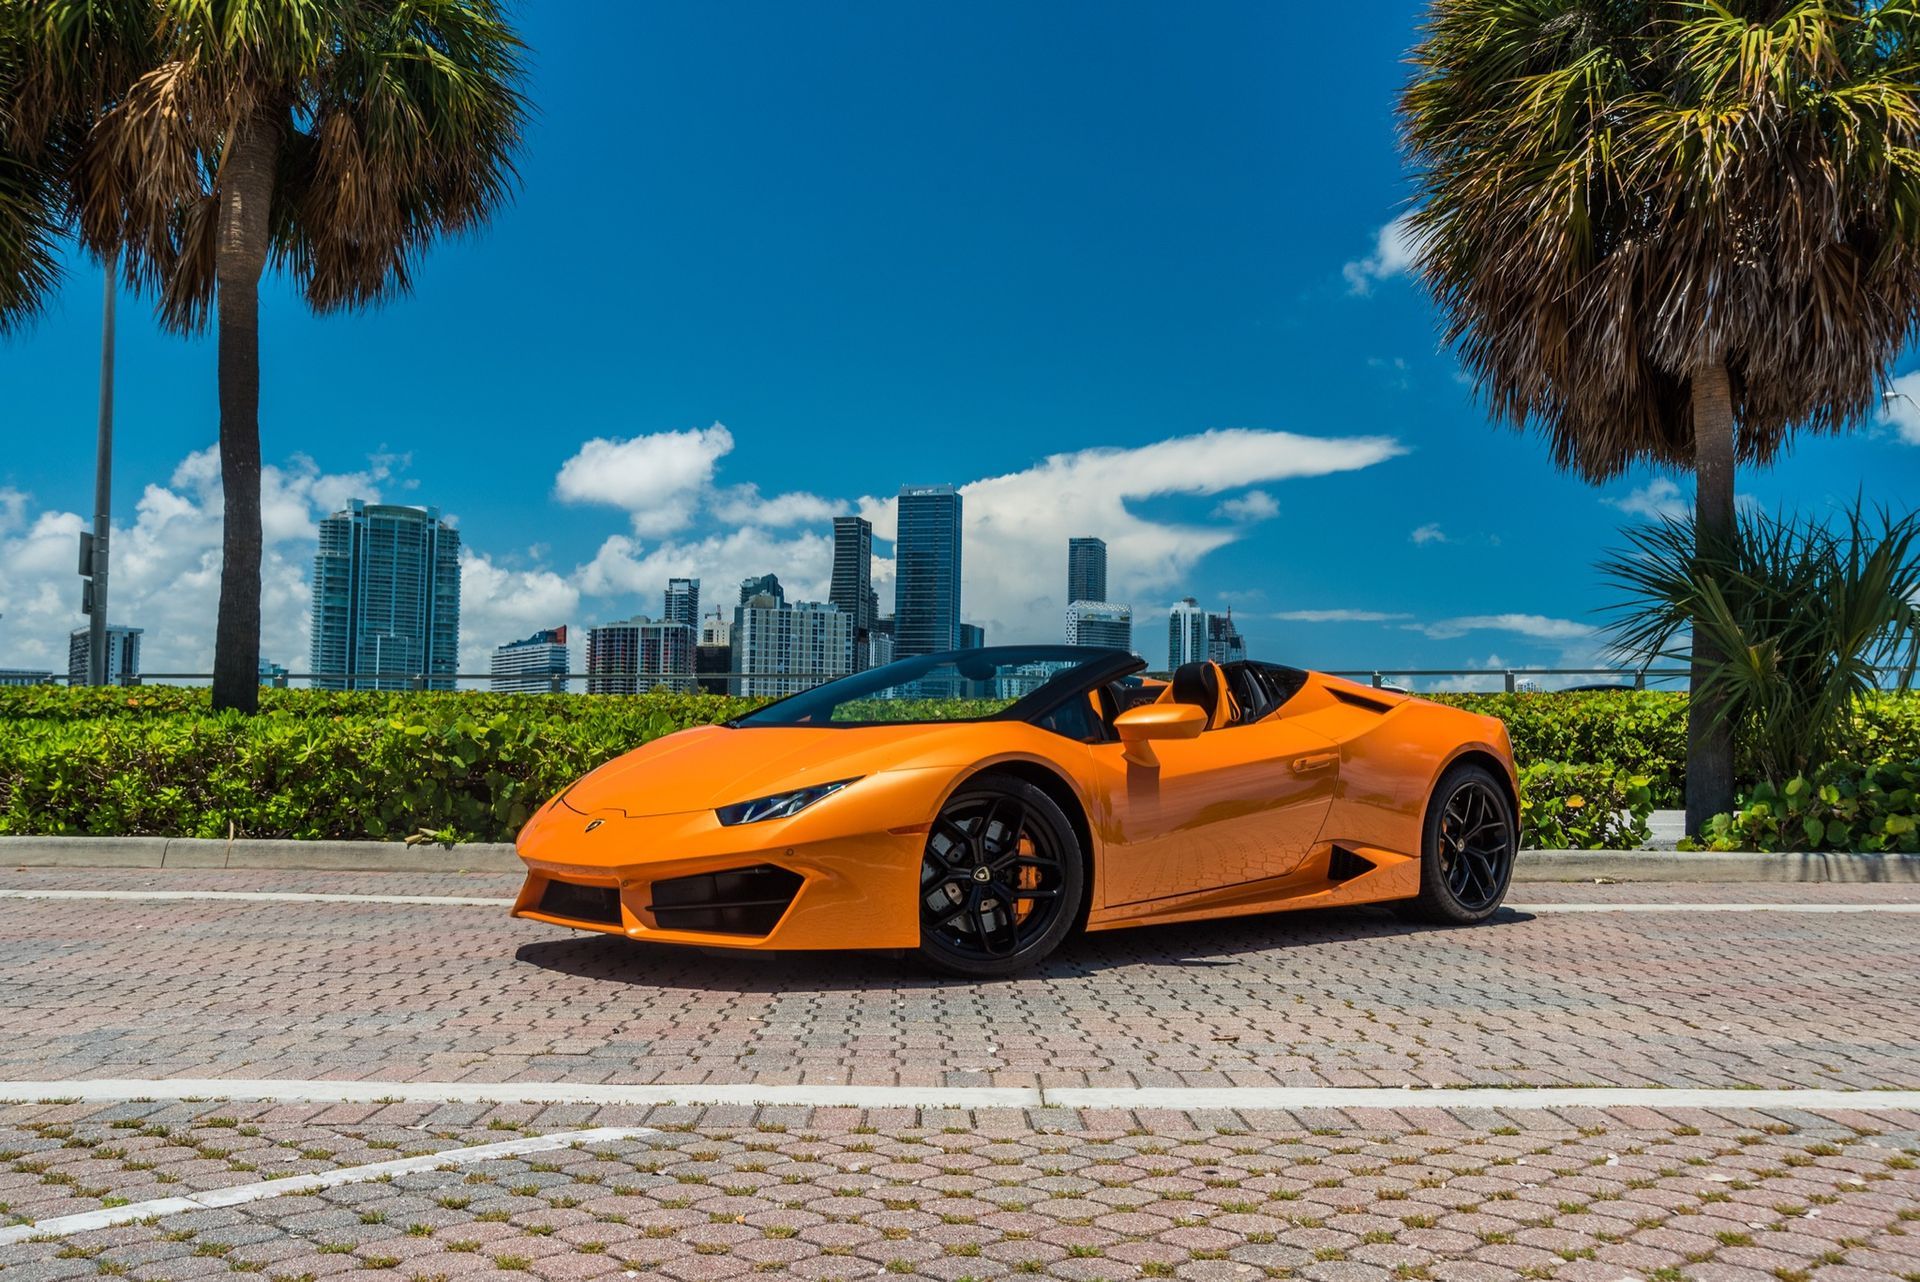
point(1614, 192)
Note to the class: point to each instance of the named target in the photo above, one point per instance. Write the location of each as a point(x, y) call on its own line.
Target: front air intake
point(739, 901)
point(581, 903)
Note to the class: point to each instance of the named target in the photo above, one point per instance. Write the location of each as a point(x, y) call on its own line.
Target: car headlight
point(781, 805)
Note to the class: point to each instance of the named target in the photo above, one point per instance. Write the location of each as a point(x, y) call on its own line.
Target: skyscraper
point(639, 654)
point(779, 649)
point(1224, 642)
point(1102, 623)
point(531, 666)
point(852, 590)
point(1187, 633)
point(1086, 570)
point(386, 599)
point(765, 585)
point(926, 589)
point(682, 603)
point(123, 655)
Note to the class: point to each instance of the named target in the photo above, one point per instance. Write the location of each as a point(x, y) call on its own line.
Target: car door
point(1237, 805)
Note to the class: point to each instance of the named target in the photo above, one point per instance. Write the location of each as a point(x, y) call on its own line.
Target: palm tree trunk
point(246, 192)
point(1709, 736)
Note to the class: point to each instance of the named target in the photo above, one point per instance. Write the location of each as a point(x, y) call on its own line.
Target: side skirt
point(1336, 875)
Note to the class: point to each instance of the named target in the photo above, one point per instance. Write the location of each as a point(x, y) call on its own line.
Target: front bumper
point(686, 879)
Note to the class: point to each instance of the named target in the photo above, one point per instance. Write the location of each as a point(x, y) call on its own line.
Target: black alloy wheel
point(1001, 880)
point(1471, 839)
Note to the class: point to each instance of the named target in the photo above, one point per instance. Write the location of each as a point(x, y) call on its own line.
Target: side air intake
point(1344, 865)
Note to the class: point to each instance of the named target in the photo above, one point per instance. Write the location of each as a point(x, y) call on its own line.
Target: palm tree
point(29, 203)
point(1672, 231)
point(334, 139)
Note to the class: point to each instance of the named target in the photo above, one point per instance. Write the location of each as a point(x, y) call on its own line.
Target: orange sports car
point(980, 805)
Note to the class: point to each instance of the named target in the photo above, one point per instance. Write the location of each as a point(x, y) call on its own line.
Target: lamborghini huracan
point(978, 806)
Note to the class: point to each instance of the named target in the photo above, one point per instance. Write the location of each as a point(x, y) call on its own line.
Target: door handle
point(1314, 761)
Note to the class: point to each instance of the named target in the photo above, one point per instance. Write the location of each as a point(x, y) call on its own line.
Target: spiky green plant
point(209, 139)
point(1807, 617)
point(1672, 231)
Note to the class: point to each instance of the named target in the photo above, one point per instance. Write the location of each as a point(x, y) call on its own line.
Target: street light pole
point(97, 673)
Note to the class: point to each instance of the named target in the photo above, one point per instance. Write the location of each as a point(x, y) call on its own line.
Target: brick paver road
point(152, 988)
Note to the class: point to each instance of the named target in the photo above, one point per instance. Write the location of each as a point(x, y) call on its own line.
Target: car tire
point(997, 837)
point(1468, 842)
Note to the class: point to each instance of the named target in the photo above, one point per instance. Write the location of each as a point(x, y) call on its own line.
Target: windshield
point(958, 685)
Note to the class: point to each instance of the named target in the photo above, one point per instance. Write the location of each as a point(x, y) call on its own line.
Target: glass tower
point(682, 603)
point(926, 588)
point(852, 590)
point(1086, 570)
point(386, 599)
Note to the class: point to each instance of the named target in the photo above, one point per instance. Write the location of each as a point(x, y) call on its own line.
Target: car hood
point(712, 766)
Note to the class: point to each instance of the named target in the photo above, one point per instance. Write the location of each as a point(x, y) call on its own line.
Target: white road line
point(241, 1194)
point(261, 897)
point(1179, 1099)
point(464, 901)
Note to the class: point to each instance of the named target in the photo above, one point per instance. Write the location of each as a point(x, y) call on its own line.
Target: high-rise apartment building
point(765, 585)
point(926, 587)
point(532, 666)
point(780, 649)
point(1108, 624)
point(639, 654)
point(682, 603)
point(1224, 642)
point(971, 637)
point(1086, 569)
point(713, 656)
point(852, 591)
point(1187, 633)
point(123, 655)
point(386, 599)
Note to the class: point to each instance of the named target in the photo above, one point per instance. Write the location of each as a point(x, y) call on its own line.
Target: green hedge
point(156, 760)
point(1846, 806)
point(1582, 807)
point(470, 767)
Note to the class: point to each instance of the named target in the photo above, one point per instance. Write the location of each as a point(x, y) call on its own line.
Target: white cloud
point(1339, 616)
point(659, 479)
point(1017, 525)
point(1901, 407)
point(743, 505)
point(626, 577)
point(1429, 533)
point(1394, 250)
point(499, 604)
point(1254, 505)
point(1658, 500)
point(1536, 626)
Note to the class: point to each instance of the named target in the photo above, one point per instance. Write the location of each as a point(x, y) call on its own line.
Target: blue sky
point(881, 244)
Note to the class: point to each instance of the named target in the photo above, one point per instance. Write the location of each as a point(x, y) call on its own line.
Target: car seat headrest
point(1204, 686)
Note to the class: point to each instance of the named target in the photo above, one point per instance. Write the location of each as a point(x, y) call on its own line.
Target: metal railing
point(760, 683)
point(1512, 680)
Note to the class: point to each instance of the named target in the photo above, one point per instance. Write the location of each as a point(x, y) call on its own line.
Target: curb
point(281, 856)
point(152, 853)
